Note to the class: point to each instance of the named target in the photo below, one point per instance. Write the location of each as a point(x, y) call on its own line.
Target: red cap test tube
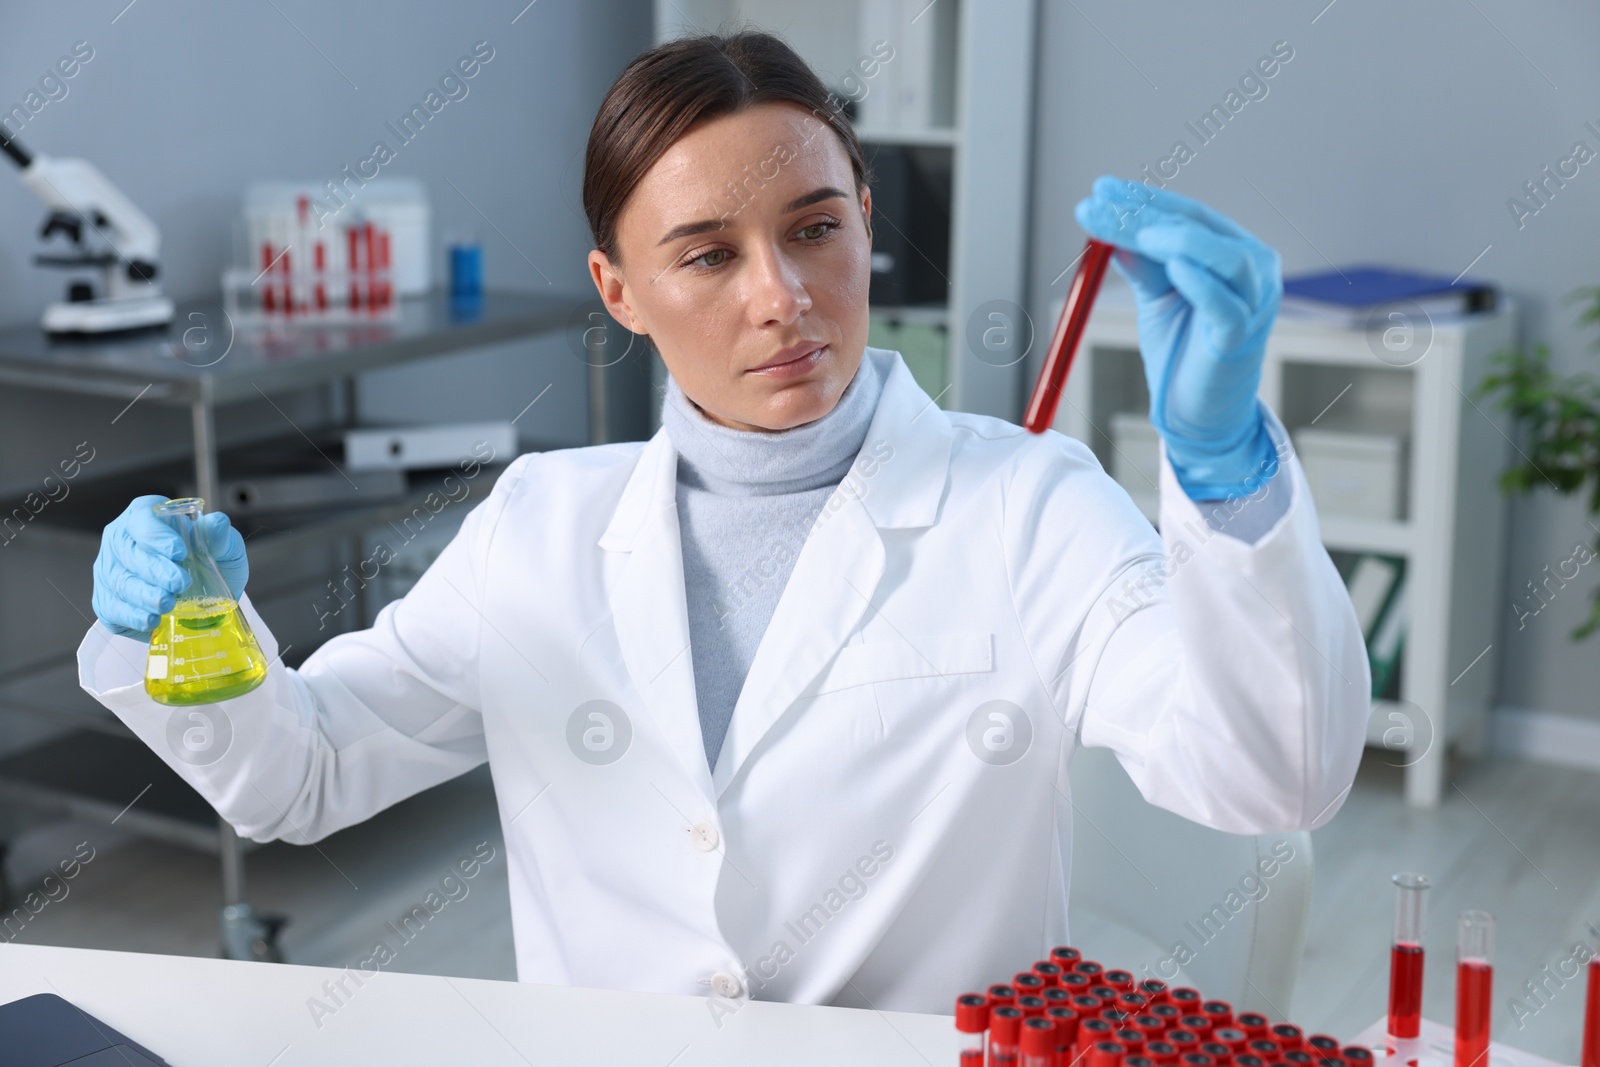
point(1405, 955)
point(1038, 1042)
point(1005, 1031)
point(972, 1021)
point(1288, 1036)
point(1474, 987)
point(1065, 956)
point(1591, 1010)
point(1253, 1023)
point(1066, 1031)
point(1092, 263)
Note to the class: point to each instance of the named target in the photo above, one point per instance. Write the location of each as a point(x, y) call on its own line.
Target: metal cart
point(98, 766)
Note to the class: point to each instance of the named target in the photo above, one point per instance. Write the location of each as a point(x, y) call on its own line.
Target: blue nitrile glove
point(1208, 293)
point(136, 575)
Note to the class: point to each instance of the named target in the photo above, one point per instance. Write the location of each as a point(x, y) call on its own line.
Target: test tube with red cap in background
point(1038, 1044)
point(1590, 1056)
point(1474, 987)
point(972, 1023)
point(1406, 956)
point(1092, 263)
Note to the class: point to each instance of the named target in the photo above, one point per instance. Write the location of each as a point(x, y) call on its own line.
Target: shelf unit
point(990, 140)
point(1452, 530)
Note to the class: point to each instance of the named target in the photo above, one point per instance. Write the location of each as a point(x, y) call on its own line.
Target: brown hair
point(670, 88)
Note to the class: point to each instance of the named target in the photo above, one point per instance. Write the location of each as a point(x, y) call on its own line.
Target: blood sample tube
point(1164, 1052)
point(1320, 1045)
point(1134, 1003)
point(1266, 1048)
point(1356, 1056)
point(1169, 1014)
point(1248, 1059)
point(1077, 983)
point(1090, 968)
point(1122, 981)
point(1066, 1032)
point(1094, 1031)
point(1200, 1024)
point(972, 1021)
point(1027, 982)
point(1050, 972)
point(354, 236)
point(1591, 1011)
point(1288, 1036)
point(369, 261)
point(1001, 994)
point(1116, 1017)
point(1474, 987)
point(1253, 1023)
point(1137, 1059)
point(1031, 1005)
point(1065, 956)
point(1104, 1054)
point(1154, 989)
point(1220, 1012)
point(1186, 1040)
point(1405, 955)
point(1005, 1031)
point(1087, 1005)
point(1056, 996)
point(1195, 1059)
point(1131, 1039)
point(1298, 1058)
point(1235, 1038)
point(1218, 1052)
point(386, 285)
point(269, 296)
point(1046, 397)
point(1186, 998)
point(1107, 994)
point(1038, 1042)
point(1150, 1026)
point(320, 263)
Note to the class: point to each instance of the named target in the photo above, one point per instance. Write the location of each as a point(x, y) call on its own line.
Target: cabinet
point(1419, 375)
point(973, 62)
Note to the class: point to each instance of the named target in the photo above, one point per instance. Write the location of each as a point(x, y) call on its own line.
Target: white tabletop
point(208, 1013)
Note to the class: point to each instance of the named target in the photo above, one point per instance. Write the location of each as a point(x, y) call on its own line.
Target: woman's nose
point(778, 288)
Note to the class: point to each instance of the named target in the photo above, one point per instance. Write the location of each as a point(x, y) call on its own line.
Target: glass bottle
point(202, 650)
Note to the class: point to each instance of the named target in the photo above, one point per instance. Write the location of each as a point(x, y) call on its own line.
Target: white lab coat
point(852, 846)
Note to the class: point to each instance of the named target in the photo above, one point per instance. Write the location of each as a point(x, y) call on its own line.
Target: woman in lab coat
point(781, 703)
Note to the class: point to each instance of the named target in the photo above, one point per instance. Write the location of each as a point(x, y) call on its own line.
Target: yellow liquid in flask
point(203, 651)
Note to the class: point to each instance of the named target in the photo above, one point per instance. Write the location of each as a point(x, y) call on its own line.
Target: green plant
point(1559, 417)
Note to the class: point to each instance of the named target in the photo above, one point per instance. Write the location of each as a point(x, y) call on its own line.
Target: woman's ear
point(866, 210)
point(612, 287)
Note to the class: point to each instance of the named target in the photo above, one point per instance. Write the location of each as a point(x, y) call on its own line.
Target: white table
point(221, 1013)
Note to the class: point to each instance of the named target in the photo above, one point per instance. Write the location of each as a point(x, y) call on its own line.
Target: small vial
point(1105, 1054)
point(1220, 1012)
point(1169, 1014)
point(1322, 1045)
point(1055, 995)
point(1077, 983)
point(1288, 1036)
point(1154, 990)
point(1066, 1031)
point(1200, 1024)
point(1186, 998)
point(1131, 1040)
point(1591, 1008)
point(1357, 1056)
point(1163, 1052)
point(1090, 968)
point(1474, 987)
point(1186, 1040)
point(1038, 1046)
point(972, 1022)
point(1253, 1023)
point(1121, 981)
point(1218, 1052)
point(1150, 1026)
point(1005, 1031)
point(1266, 1048)
point(1050, 972)
point(1001, 994)
point(1027, 982)
point(1031, 1005)
point(1405, 956)
point(1064, 956)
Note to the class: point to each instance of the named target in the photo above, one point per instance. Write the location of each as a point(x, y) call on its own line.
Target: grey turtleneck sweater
point(746, 502)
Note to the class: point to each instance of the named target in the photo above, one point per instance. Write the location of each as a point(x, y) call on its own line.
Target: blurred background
point(1450, 141)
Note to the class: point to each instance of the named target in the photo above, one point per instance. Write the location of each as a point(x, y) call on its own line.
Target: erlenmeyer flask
point(202, 650)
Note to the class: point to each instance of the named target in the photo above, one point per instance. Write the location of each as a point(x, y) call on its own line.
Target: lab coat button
point(724, 984)
point(704, 835)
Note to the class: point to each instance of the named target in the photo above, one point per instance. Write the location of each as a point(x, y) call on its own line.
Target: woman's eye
point(700, 259)
point(824, 228)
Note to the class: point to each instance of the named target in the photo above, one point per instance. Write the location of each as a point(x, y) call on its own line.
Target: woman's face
point(744, 245)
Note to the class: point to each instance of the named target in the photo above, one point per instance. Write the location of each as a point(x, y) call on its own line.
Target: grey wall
point(185, 102)
point(1396, 134)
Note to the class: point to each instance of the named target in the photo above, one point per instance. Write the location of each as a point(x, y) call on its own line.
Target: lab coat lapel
point(834, 584)
point(648, 606)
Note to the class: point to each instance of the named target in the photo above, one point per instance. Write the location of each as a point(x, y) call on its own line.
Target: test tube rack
point(299, 272)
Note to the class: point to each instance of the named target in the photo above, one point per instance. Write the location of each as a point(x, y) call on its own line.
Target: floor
point(1517, 839)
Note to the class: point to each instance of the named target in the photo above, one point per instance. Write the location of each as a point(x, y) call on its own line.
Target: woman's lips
point(795, 367)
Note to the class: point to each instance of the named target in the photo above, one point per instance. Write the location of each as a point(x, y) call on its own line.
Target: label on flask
point(155, 667)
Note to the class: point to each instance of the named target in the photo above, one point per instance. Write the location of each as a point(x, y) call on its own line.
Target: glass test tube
point(1591, 1007)
point(1005, 1031)
point(972, 1022)
point(1474, 987)
point(1038, 1044)
point(1092, 263)
point(1406, 956)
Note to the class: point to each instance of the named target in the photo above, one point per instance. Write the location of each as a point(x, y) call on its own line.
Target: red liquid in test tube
point(370, 264)
point(269, 298)
point(1474, 987)
point(1041, 412)
point(1591, 1017)
point(1406, 956)
point(354, 237)
point(321, 266)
